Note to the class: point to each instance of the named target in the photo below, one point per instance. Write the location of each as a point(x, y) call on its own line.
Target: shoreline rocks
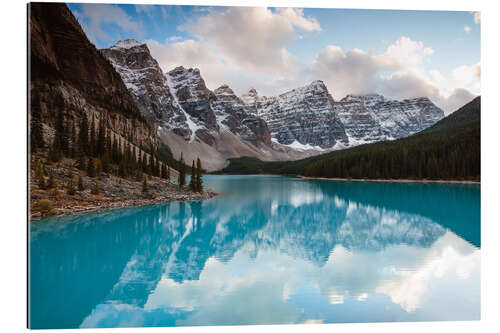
point(104, 205)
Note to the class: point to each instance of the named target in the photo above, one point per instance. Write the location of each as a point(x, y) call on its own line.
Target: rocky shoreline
point(105, 205)
point(114, 192)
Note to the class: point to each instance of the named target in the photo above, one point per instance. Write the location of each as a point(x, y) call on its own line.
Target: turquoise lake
point(269, 250)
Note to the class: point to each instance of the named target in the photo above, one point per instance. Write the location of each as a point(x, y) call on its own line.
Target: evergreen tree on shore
point(92, 140)
point(101, 138)
point(52, 182)
point(91, 168)
point(95, 189)
point(80, 163)
point(71, 186)
point(192, 182)
point(145, 187)
point(74, 145)
point(80, 183)
point(83, 135)
point(40, 175)
point(61, 140)
point(199, 181)
point(36, 129)
point(182, 172)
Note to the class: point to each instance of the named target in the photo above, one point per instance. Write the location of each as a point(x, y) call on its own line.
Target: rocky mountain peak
point(318, 85)
point(127, 44)
point(223, 90)
point(69, 74)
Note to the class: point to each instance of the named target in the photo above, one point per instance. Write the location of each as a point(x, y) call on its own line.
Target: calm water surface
point(271, 250)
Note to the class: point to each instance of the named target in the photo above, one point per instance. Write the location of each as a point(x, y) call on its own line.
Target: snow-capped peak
point(126, 44)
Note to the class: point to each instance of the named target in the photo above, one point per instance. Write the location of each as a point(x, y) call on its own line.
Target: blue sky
point(395, 53)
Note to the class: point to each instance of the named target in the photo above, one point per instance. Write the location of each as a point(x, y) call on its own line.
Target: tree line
point(98, 150)
point(451, 149)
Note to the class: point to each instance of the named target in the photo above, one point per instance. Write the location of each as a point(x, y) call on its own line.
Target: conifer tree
point(151, 165)
point(80, 183)
point(98, 167)
point(182, 172)
point(91, 168)
point(51, 183)
point(71, 186)
point(144, 162)
point(168, 173)
point(145, 187)
point(92, 141)
point(119, 151)
point(158, 167)
point(74, 145)
point(95, 189)
point(60, 143)
point(121, 169)
point(114, 150)
point(199, 181)
point(40, 175)
point(192, 181)
point(134, 157)
point(80, 163)
point(106, 164)
point(54, 152)
point(83, 135)
point(163, 173)
point(101, 137)
point(108, 141)
point(36, 129)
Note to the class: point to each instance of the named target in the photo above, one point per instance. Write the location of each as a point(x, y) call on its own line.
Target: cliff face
point(371, 118)
point(308, 116)
point(233, 114)
point(180, 101)
point(304, 114)
point(68, 74)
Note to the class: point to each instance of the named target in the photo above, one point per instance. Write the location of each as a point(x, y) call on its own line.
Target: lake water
point(270, 250)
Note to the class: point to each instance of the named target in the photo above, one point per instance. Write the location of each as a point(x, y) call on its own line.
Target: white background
point(13, 224)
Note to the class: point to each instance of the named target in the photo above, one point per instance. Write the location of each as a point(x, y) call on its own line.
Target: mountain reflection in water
point(269, 250)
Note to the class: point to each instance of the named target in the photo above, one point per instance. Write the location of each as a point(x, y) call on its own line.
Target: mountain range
point(449, 149)
point(217, 125)
point(148, 108)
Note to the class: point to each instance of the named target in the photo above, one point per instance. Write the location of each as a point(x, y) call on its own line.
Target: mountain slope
point(68, 74)
point(448, 150)
point(213, 125)
point(309, 116)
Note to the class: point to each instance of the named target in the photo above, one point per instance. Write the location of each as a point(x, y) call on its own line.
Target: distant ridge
point(449, 150)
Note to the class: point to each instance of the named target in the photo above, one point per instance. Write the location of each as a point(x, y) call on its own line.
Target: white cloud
point(400, 72)
point(254, 38)
point(344, 73)
point(405, 54)
point(247, 47)
point(467, 29)
point(401, 85)
point(93, 16)
point(193, 54)
point(458, 98)
point(396, 73)
point(468, 77)
point(174, 38)
point(145, 9)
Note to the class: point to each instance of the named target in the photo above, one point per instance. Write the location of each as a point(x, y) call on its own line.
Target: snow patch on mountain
point(193, 127)
point(299, 146)
point(126, 44)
